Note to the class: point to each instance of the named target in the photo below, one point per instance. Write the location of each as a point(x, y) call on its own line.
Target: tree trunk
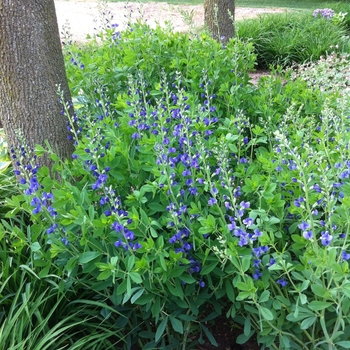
point(31, 65)
point(219, 18)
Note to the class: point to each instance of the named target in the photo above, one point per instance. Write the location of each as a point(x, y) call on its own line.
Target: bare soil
point(84, 16)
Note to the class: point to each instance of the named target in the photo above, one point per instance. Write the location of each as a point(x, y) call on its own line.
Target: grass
point(290, 38)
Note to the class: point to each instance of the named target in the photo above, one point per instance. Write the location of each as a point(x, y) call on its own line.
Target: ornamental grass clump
point(290, 38)
point(190, 196)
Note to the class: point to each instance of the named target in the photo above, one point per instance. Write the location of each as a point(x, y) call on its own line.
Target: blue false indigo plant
point(175, 207)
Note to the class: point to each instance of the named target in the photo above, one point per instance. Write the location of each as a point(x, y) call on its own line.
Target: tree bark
point(31, 67)
point(219, 18)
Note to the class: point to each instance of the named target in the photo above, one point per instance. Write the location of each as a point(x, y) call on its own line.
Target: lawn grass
point(292, 4)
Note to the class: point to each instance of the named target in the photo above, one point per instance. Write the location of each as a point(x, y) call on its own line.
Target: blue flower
point(257, 274)
point(257, 233)
point(35, 201)
point(117, 227)
point(271, 262)
point(244, 205)
point(304, 226)
point(256, 262)
point(338, 165)
point(212, 201)
point(345, 256)
point(231, 226)
point(52, 211)
point(260, 251)
point(248, 222)
point(344, 175)
point(307, 235)
point(65, 241)
point(243, 240)
point(214, 190)
point(136, 246)
point(292, 165)
point(326, 238)
point(282, 282)
point(102, 178)
point(298, 202)
point(37, 209)
point(52, 228)
point(136, 135)
point(193, 191)
point(317, 188)
point(129, 235)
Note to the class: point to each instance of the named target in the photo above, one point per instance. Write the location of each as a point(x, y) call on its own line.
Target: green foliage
point(286, 39)
point(4, 158)
point(38, 307)
point(7, 180)
point(190, 191)
point(329, 74)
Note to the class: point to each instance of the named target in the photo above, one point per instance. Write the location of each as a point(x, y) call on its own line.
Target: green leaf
point(187, 279)
point(104, 275)
point(44, 272)
point(72, 262)
point(243, 295)
point(246, 262)
point(162, 262)
point(319, 305)
point(230, 291)
point(130, 262)
point(208, 268)
point(266, 313)
point(209, 335)
point(285, 342)
point(308, 322)
point(177, 325)
point(157, 207)
point(39, 150)
point(176, 271)
point(135, 277)
point(205, 230)
point(161, 329)
point(318, 290)
point(303, 298)
point(265, 295)
point(154, 233)
point(91, 212)
point(242, 338)
point(88, 256)
point(344, 344)
point(122, 288)
point(247, 326)
point(35, 246)
point(243, 286)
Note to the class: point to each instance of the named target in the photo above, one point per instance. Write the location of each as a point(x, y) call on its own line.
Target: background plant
point(285, 39)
